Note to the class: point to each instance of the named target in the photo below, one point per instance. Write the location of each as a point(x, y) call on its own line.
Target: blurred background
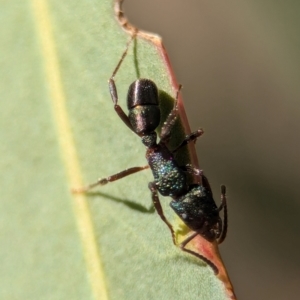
point(239, 64)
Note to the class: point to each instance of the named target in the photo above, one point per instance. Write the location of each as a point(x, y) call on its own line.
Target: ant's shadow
point(128, 203)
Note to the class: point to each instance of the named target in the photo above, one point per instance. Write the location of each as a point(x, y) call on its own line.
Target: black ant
point(194, 204)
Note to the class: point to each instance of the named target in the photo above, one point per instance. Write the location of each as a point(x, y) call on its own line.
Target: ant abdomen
point(198, 211)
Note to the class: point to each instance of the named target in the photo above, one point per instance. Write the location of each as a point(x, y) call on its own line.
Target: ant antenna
point(123, 55)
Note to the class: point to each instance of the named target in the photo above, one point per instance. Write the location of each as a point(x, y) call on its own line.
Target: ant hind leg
point(159, 210)
point(206, 260)
point(223, 207)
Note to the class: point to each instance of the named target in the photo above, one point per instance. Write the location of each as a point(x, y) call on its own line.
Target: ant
point(194, 204)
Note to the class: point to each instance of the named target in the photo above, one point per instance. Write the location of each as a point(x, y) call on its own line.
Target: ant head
point(142, 92)
point(142, 102)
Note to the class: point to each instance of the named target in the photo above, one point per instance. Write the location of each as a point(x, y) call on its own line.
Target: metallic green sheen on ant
point(194, 204)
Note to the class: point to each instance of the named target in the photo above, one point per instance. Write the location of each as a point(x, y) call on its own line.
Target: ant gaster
point(194, 204)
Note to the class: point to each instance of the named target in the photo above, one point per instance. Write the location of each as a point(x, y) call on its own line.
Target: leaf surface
point(58, 131)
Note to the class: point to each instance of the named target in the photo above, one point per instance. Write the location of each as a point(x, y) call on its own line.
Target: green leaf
point(58, 131)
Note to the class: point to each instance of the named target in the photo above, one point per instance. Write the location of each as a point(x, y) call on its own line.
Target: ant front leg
point(104, 181)
point(159, 210)
point(170, 121)
point(189, 138)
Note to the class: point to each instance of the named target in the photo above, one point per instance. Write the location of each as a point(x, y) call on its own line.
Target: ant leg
point(104, 181)
point(224, 207)
point(205, 183)
point(170, 121)
point(113, 88)
point(189, 138)
point(190, 169)
point(159, 209)
point(206, 260)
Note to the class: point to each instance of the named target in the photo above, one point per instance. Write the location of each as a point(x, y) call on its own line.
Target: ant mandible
point(194, 204)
